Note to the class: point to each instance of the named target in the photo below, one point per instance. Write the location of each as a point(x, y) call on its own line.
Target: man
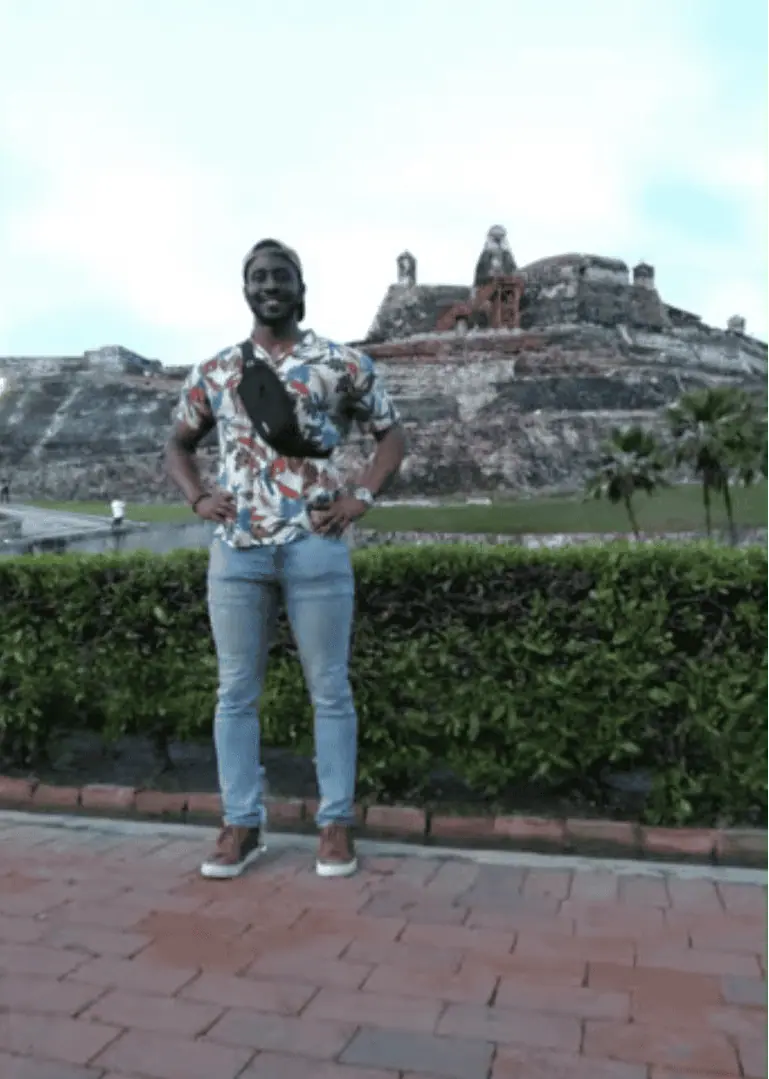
point(5, 489)
point(117, 506)
point(280, 529)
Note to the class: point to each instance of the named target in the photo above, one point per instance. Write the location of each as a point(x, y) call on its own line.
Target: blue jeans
point(315, 576)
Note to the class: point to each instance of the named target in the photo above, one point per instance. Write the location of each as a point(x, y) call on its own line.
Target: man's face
point(272, 287)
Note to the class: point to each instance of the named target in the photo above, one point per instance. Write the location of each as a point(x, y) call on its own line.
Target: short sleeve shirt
point(335, 387)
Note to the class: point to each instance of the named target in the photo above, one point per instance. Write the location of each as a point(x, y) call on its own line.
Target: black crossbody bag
point(272, 409)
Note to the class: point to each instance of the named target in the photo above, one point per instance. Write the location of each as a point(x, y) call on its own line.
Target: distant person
point(5, 490)
point(282, 402)
point(117, 507)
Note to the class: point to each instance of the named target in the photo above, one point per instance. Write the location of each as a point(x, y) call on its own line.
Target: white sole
point(213, 871)
point(325, 869)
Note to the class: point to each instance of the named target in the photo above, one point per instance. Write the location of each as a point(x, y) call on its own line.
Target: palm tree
point(720, 435)
point(631, 461)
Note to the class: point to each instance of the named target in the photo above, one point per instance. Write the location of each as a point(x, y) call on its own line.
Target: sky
point(145, 146)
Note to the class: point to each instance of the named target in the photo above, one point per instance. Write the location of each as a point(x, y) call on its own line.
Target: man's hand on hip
point(339, 516)
point(217, 506)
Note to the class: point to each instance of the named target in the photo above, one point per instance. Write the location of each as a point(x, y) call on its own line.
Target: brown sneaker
point(336, 855)
point(236, 848)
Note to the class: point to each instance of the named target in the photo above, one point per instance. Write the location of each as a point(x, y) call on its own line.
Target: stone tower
point(496, 258)
point(643, 275)
point(407, 269)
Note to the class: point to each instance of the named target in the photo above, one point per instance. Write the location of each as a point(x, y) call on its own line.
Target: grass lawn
point(675, 509)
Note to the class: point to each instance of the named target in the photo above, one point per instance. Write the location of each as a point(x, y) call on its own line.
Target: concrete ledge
point(366, 538)
point(10, 525)
point(415, 826)
point(42, 825)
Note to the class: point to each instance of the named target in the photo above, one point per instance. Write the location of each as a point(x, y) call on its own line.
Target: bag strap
point(247, 352)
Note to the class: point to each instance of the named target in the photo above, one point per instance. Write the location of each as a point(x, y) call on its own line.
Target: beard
point(270, 312)
point(260, 308)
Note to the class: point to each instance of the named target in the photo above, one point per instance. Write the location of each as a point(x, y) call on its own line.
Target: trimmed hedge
point(506, 666)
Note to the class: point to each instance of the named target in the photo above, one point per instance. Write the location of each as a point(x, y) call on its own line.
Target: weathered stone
point(409, 309)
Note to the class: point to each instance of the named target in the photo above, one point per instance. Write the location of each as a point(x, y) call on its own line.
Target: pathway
point(117, 961)
point(40, 523)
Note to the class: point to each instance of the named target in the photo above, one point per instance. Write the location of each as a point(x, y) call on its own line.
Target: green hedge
point(508, 667)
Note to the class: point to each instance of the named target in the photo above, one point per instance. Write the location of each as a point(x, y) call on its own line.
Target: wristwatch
point(363, 495)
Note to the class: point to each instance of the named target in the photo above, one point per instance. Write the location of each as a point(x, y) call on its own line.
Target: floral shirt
point(334, 387)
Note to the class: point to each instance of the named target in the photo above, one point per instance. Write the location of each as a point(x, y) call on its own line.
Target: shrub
point(508, 666)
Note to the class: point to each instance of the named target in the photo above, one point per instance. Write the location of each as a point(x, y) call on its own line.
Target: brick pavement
point(116, 961)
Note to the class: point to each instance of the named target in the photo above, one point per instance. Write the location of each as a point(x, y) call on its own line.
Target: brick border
point(608, 838)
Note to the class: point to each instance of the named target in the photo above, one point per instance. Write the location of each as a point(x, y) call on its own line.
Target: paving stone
point(694, 1048)
point(579, 1002)
point(149, 1012)
point(157, 1056)
point(28, 993)
point(667, 1073)
point(438, 1058)
point(471, 983)
point(13, 1067)
point(97, 942)
point(133, 974)
point(53, 1037)
point(537, 1029)
point(36, 959)
point(516, 1063)
point(280, 997)
point(281, 1066)
point(392, 1010)
point(696, 961)
point(752, 1054)
point(745, 992)
point(305, 1037)
point(20, 930)
point(667, 986)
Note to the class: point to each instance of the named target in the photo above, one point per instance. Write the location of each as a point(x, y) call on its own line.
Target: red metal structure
point(495, 306)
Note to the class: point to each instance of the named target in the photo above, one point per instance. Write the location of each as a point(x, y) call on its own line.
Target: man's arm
point(193, 420)
point(181, 458)
point(389, 453)
point(375, 413)
point(182, 467)
point(387, 460)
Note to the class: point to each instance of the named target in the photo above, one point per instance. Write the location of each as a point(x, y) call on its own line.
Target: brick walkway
point(117, 962)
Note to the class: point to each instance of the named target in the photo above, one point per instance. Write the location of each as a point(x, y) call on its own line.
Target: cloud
point(157, 146)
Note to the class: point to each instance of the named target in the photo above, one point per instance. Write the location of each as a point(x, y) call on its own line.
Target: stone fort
point(508, 382)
